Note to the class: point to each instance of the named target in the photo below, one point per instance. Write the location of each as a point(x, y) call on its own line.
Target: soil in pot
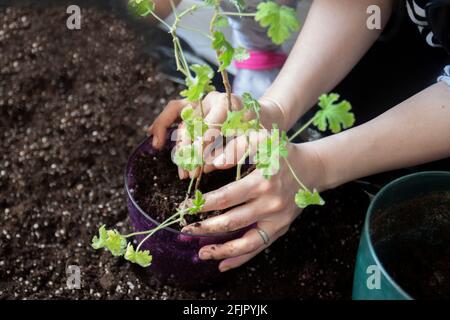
point(416, 252)
point(159, 192)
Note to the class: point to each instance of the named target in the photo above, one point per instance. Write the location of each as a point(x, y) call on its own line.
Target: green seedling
point(280, 22)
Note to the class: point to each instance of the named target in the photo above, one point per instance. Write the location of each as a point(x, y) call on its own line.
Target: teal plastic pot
point(383, 226)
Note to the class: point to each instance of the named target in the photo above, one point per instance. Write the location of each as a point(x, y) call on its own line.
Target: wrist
point(311, 168)
point(272, 112)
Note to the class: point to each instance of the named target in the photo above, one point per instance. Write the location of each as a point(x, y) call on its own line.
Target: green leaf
point(200, 85)
point(225, 49)
point(241, 54)
point(333, 115)
point(251, 103)
point(304, 198)
point(100, 241)
point(270, 151)
point(197, 203)
point(188, 157)
point(115, 243)
point(141, 7)
point(235, 124)
point(187, 113)
point(239, 4)
point(281, 21)
point(111, 240)
point(142, 258)
point(221, 22)
point(195, 125)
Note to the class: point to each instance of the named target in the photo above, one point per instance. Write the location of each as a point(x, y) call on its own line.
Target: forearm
point(332, 41)
point(414, 132)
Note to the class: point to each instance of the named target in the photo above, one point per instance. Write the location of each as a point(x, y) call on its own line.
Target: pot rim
point(387, 188)
point(147, 216)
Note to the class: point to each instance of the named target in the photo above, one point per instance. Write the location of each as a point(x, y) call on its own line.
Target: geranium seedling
point(280, 22)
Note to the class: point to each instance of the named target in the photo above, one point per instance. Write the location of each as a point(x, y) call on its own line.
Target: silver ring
point(264, 236)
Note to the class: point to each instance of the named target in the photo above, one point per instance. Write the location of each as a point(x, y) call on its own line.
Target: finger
point(234, 262)
point(232, 194)
point(232, 154)
point(216, 106)
point(165, 119)
point(198, 147)
point(251, 241)
point(150, 130)
point(231, 220)
point(212, 151)
point(237, 148)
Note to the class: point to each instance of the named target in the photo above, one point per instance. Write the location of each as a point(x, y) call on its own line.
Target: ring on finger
point(264, 236)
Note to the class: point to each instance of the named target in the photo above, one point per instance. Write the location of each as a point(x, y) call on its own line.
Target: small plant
point(280, 22)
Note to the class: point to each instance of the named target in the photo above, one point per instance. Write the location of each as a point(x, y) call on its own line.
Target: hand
point(254, 199)
point(215, 108)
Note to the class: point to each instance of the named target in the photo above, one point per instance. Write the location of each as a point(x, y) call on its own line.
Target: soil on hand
point(73, 106)
point(416, 250)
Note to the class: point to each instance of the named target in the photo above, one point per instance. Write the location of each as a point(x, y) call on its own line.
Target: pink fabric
point(262, 60)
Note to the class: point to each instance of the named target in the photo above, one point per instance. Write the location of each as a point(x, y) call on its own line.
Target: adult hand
point(215, 108)
point(268, 203)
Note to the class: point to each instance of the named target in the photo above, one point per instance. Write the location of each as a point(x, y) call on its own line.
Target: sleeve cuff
point(446, 76)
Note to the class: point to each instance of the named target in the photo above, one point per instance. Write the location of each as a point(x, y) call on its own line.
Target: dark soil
point(161, 194)
point(417, 252)
point(73, 106)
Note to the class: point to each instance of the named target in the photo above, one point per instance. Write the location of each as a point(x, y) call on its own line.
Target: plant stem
point(227, 85)
point(174, 9)
point(306, 125)
point(148, 231)
point(239, 14)
point(189, 10)
point(153, 231)
point(242, 160)
point(295, 175)
point(199, 178)
point(190, 187)
point(223, 73)
point(180, 59)
point(161, 20)
point(196, 30)
point(188, 193)
point(182, 64)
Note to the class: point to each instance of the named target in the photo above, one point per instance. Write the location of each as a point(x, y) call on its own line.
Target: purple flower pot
point(175, 254)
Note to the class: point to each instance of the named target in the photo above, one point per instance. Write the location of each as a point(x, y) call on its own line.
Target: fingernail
point(149, 131)
point(224, 268)
point(204, 255)
point(185, 238)
point(219, 161)
point(181, 173)
point(187, 230)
